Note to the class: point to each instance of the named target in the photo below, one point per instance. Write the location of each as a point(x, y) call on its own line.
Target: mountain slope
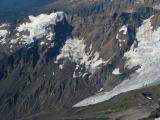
point(51, 60)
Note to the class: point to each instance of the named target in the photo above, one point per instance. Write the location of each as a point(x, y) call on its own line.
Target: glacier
point(146, 55)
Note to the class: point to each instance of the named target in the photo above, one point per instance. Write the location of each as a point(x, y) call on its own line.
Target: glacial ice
point(147, 55)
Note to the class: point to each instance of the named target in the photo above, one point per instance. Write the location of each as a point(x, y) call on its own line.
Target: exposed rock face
point(51, 61)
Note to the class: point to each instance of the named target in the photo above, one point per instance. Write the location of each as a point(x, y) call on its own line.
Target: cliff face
point(51, 61)
point(44, 67)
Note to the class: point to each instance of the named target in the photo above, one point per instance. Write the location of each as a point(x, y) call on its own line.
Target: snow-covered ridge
point(74, 50)
point(147, 55)
point(37, 27)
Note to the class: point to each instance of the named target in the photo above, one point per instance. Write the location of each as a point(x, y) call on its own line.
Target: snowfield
point(147, 55)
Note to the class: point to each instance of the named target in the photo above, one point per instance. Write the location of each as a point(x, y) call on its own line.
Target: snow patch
point(116, 71)
point(147, 55)
point(53, 73)
point(42, 43)
point(157, 7)
point(14, 41)
point(3, 35)
point(75, 51)
point(157, 118)
point(61, 66)
point(124, 29)
point(4, 25)
point(100, 90)
point(84, 75)
point(121, 42)
point(49, 36)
